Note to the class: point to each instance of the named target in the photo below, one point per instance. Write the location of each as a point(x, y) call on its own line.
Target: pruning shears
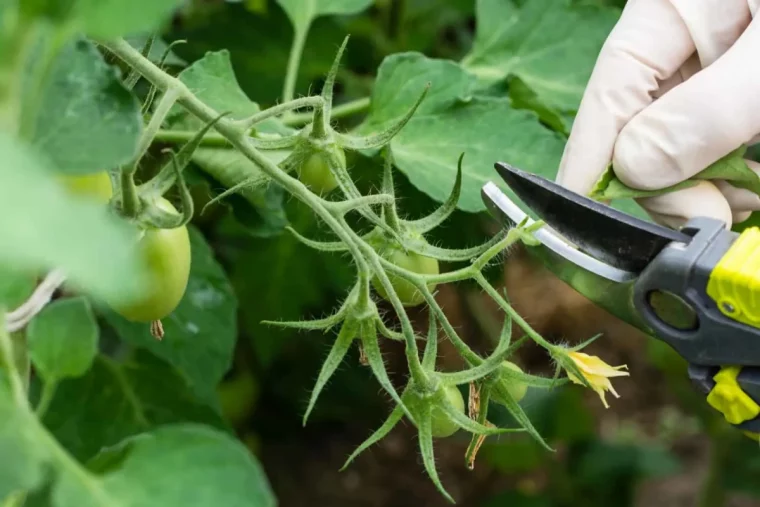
point(697, 288)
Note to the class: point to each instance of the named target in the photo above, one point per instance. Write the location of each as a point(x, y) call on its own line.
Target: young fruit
point(167, 252)
point(315, 172)
point(515, 388)
point(441, 425)
point(95, 186)
point(411, 261)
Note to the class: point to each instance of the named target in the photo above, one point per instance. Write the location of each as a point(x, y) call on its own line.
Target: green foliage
point(63, 340)
point(301, 14)
point(78, 237)
point(551, 46)
point(203, 327)
point(99, 410)
point(102, 19)
point(101, 128)
point(730, 167)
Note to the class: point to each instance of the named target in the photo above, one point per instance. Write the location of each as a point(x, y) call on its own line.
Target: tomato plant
point(132, 105)
point(515, 388)
point(441, 424)
point(167, 254)
point(315, 173)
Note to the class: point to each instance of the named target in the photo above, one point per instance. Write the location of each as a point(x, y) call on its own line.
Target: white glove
point(676, 86)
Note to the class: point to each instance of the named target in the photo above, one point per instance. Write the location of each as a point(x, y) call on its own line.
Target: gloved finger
point(690, 67)
point(741, 216)
point(740, 199)
point(674, 209)
point(649, 43)
point(694, 124)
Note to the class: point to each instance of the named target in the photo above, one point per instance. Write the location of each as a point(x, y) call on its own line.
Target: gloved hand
point(676, 86)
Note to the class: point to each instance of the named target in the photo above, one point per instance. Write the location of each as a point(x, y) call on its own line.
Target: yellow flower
point(597, 373)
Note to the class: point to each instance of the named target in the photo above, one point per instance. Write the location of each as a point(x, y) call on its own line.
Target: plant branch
point(348, 109)
point(294, 62)
point(314, 102)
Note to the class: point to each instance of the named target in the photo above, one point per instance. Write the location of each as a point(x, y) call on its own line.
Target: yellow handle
point(734, 283)
point(728, 398)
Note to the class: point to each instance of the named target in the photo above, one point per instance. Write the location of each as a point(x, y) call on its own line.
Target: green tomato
point(515, 388)
point(441, 425)
point(237, 397)
point(167, 253)
point(315, 172)
point(411, 261)
point(95, 186)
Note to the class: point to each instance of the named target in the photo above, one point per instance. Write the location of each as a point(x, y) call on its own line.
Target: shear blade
point(611, 236)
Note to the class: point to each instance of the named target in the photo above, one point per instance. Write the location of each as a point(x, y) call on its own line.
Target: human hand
point(676, 87)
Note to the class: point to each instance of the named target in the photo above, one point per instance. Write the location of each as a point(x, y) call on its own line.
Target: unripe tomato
point(516, 388)
point(237, 397)
point(315, 172)
point(167, 252)
point(411, 261)
point(441, 425)
point(96, 186)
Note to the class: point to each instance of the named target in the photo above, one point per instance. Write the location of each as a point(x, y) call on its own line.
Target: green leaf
point(523, 97)
point(82, 238)
point(135, 396)
point(181, 465)
point(303, 12)
point(105, 19)
point(188, 465)
point(487, 130)
point(63, 339)
point(88, 121)
point(20, 446)
point(230, 167)
point(549, 45)
point(200, 334)
point(260, 73)
point(283, 279)
point(212, 79)
point(15, 286)
point(730, 167)
point(400, 80)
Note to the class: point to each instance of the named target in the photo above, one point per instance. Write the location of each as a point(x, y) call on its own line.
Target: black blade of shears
point(605, 233)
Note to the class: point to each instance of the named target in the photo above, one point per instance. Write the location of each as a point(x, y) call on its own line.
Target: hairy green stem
point(315, 102)
point(130, 202)
point(294, 62)
point(511, 312)
point(171, 95)
point(184, 136)
point(238, 139)
point(412, 354)
point(348, 109)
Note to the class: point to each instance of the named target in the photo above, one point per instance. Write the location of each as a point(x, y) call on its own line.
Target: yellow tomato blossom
point(597, 373)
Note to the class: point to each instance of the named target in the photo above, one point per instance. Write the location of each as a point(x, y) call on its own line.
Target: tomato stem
point(315, 102)
point(348, 109)
point(294, 61)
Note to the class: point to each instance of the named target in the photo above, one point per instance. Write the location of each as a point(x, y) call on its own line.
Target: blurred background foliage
point(659, 444)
